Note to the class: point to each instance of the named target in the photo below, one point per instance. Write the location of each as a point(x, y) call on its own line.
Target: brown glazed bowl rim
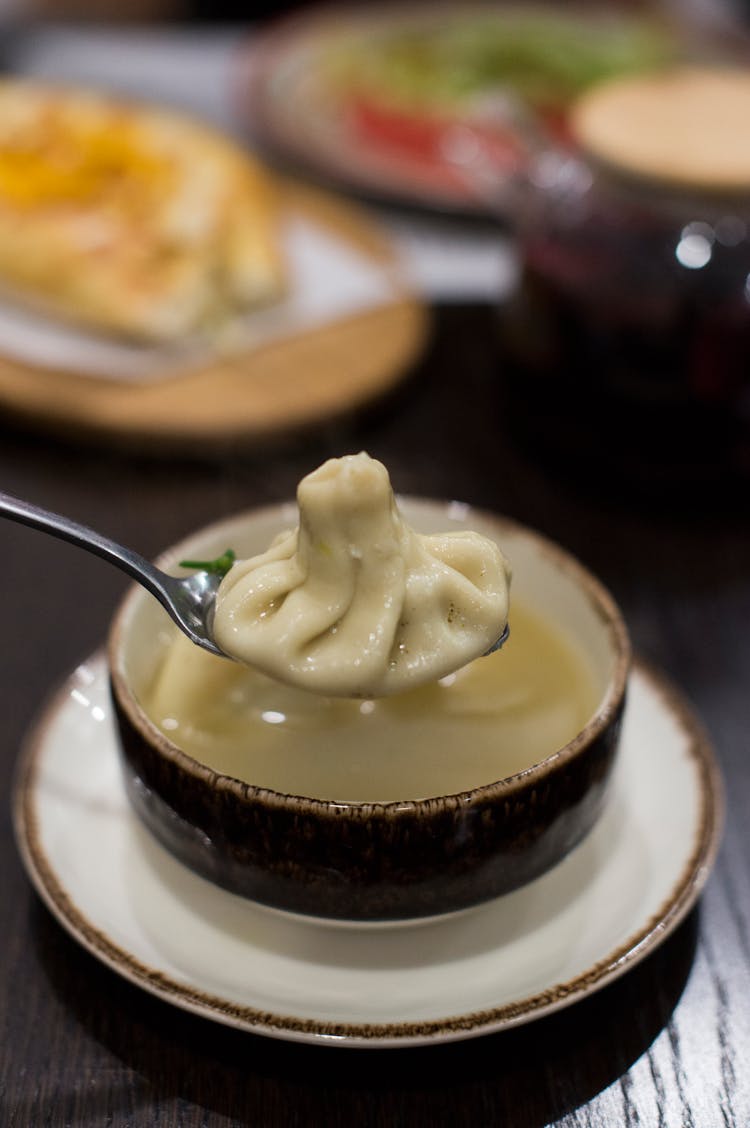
point(607, 710)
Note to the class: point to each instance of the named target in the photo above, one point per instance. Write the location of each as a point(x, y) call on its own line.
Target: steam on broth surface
point(492, 718)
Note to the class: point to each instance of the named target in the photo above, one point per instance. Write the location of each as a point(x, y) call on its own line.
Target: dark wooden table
point(666, 1045)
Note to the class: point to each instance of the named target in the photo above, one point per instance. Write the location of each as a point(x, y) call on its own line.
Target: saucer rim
point(695, 872)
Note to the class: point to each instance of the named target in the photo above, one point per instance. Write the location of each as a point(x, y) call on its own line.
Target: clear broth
point(495, 717)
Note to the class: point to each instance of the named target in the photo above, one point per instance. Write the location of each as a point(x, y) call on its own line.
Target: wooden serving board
point(285, 385)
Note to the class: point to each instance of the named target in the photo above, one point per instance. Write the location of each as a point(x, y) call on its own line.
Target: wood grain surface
point(666, 1046)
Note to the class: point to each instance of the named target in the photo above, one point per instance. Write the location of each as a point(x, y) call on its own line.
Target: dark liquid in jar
point(623, 363)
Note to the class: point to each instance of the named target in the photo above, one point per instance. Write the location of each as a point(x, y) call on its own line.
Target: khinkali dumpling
point(355, 603)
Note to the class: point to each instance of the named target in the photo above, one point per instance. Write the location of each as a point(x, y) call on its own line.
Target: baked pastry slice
point(130, 219)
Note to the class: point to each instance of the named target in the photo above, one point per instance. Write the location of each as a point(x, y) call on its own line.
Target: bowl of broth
point(414, 805)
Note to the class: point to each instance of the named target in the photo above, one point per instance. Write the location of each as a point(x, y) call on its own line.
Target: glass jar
point(626, 346)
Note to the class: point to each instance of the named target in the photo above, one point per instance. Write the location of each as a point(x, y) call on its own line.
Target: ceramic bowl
point(377, 862)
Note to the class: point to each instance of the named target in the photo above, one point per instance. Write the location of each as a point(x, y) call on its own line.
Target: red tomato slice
point(424, 136)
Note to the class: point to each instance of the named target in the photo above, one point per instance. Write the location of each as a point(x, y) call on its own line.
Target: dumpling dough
point(354, 603)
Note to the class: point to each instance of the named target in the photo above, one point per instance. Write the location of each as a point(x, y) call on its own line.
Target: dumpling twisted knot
point(355, 603)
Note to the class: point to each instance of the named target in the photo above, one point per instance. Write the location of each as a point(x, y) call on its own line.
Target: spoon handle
point(136, 566)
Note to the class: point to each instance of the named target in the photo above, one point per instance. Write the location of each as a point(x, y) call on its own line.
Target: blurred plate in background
point(306, 364)
point(378, 99)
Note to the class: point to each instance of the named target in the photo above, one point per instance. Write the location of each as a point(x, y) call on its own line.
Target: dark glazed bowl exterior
point(378, 862)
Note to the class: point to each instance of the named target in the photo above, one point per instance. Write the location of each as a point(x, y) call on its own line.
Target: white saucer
point(609, 904)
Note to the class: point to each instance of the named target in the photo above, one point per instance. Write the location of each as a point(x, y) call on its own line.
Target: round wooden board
point(281, 387)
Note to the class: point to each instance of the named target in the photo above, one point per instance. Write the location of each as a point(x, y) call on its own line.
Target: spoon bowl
point(189, 600)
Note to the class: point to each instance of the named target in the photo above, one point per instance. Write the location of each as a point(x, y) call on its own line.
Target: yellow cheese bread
point(129, 219)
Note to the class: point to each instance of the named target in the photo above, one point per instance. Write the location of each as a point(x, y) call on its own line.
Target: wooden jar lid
point(687, 127)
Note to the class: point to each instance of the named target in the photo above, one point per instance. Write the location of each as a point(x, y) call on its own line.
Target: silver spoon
point(189, 600)
point(500, 642)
